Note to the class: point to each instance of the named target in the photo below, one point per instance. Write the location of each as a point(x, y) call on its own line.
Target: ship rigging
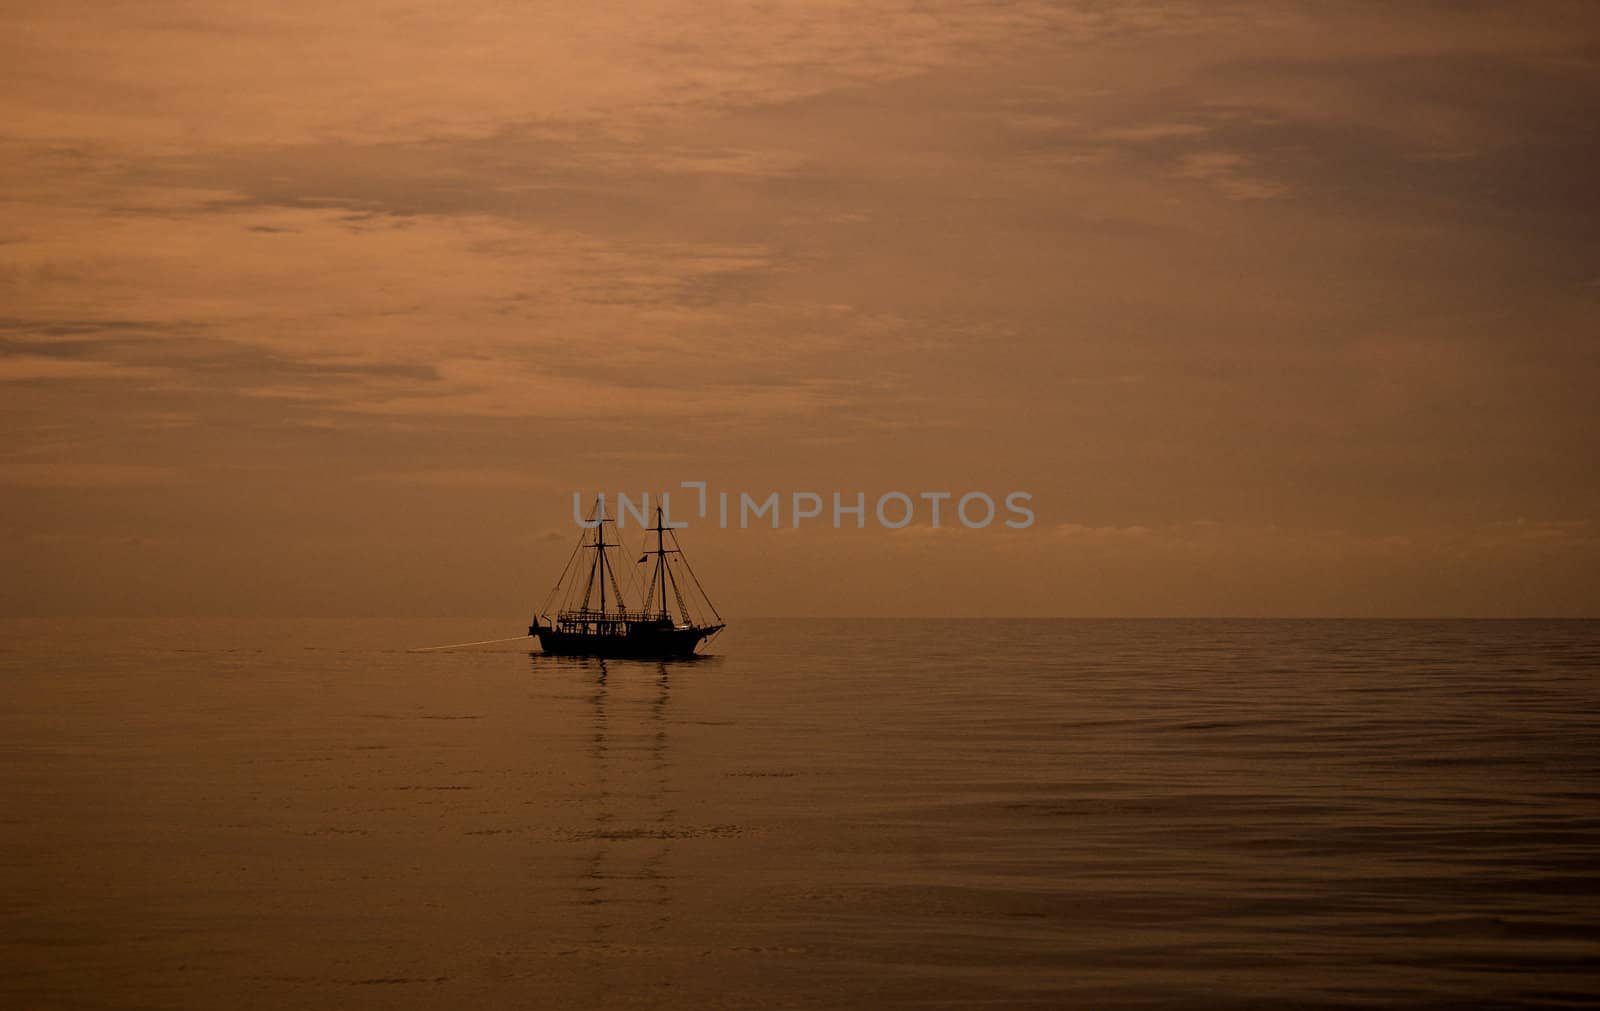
point(599, 623)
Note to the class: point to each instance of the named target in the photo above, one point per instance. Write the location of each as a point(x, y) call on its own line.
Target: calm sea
point(862, 814)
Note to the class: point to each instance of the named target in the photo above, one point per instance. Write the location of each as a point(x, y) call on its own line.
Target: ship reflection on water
point(623, 883)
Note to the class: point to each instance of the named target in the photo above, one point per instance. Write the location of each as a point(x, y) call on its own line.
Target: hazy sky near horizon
point(1275, 308)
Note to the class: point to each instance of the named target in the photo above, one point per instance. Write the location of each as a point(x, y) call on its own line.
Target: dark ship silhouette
point(612, 629)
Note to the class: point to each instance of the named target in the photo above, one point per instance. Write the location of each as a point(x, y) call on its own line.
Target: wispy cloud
point(463, 478)
point(85, 475)
point(1229, 173)
point(34, 368)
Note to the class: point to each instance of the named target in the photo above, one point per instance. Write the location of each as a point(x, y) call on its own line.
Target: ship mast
point(600, 549)
point(661, 560)
point(600, 570)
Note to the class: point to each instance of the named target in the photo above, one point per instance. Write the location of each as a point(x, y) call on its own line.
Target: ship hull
point(641, 643)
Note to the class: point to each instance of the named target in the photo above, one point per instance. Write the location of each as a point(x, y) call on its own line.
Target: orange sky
point(1275, 308)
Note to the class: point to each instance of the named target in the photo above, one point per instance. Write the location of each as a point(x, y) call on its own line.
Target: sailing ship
point(602, 624)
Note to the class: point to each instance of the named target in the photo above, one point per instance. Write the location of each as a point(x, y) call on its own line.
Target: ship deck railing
point(610, 617)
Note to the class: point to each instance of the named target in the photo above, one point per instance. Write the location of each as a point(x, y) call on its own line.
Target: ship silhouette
point(601, 624)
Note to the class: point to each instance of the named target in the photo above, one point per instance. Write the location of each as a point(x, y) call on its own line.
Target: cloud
point(34, 368)
point(1237, 542)
point(1147, 132)
point(461, 477)
point(1229, 173)
point(1523, 534)
point(1086, 533)
point(489, 388)
point(85, 475)
point(183, 75)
